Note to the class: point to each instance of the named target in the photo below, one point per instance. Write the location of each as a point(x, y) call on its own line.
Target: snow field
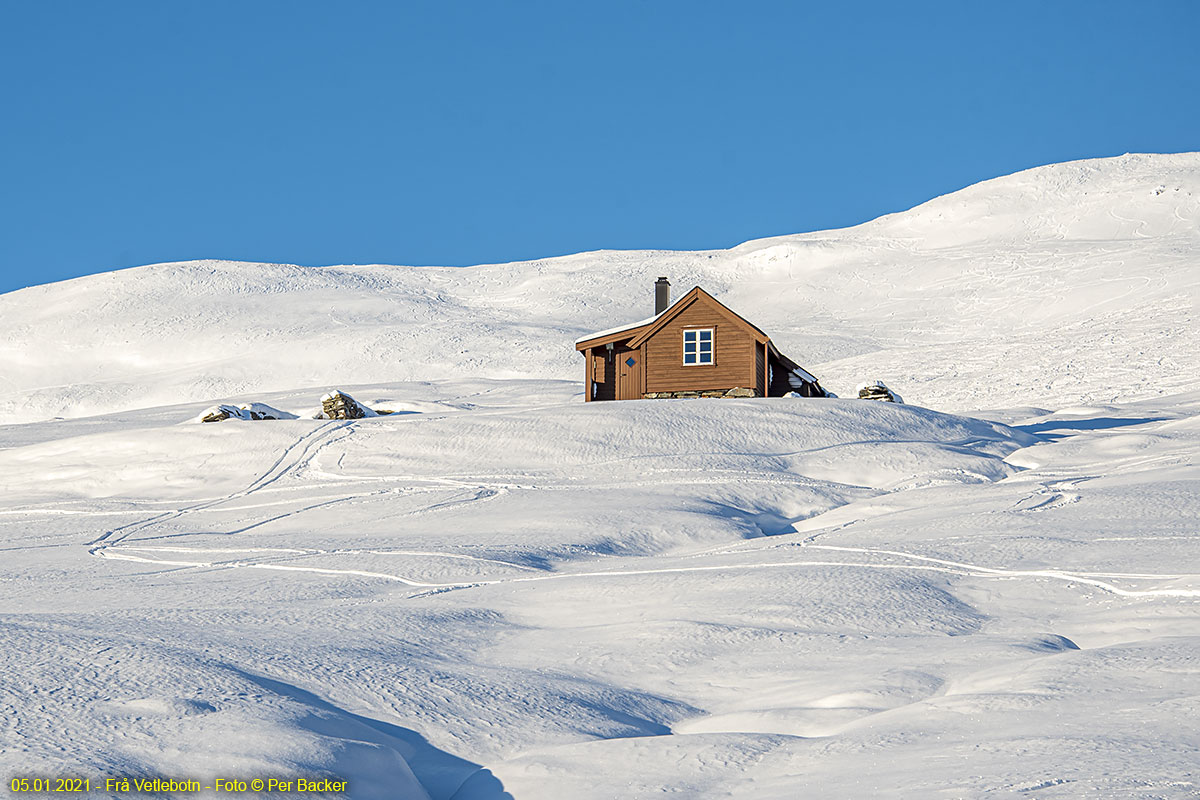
point(501, 591)
point(458, 594)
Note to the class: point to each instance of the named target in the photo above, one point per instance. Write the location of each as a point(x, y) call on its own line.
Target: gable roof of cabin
point(639, 332)
point(685, 302)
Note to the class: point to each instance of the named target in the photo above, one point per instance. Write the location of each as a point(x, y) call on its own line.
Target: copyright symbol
point(256, 784)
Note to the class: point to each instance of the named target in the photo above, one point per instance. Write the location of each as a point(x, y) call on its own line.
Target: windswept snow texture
point(1072, 283)
point(500, 591)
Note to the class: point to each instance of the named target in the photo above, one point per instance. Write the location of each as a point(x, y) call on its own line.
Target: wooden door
point(631, 372)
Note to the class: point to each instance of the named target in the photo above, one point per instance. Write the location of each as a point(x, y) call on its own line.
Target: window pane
point(689, 347)
point(706, 347)
point(706, 358)
point(689, 336)
point(689, 358)
point(705, 336)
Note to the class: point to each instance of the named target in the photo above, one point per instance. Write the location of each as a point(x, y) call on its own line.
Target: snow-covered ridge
point(1073, 282)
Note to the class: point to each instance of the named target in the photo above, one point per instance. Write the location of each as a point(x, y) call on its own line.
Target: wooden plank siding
point(743, 355)
point(589, 375)
point(599, 365)
point(734, 347)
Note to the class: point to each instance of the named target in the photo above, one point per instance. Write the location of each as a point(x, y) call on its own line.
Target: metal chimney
point(662, 295)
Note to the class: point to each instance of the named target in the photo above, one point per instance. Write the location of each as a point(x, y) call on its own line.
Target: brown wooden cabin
point(695, 347)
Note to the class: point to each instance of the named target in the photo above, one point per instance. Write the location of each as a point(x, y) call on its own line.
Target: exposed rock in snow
point(339, 405)
point(248, 411)
point(877, 390)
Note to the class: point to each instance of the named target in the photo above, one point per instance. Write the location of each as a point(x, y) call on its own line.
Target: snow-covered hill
point(509, 592)
point(502, 592)
point(1074, 282)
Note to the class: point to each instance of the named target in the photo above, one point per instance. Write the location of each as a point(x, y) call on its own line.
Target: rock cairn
point(877, 390)
point(338, 405)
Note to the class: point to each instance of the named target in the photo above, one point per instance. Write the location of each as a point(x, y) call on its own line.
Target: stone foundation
point(737, 391)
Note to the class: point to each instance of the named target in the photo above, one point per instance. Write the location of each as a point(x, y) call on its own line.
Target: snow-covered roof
point(619, 328)
point(803, 374)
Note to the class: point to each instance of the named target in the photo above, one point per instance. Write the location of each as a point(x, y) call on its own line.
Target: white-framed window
point(698, 347)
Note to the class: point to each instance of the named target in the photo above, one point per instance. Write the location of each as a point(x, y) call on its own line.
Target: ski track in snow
point(300, 455)
point(294, 457)
point(928, 564)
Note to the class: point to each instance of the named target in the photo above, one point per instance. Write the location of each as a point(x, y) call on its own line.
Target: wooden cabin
point(694, 347)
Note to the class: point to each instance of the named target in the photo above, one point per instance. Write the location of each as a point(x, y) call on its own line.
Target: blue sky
point(463, 133)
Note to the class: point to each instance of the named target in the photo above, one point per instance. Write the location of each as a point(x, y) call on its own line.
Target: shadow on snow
point(442, 775)
point(1055, 429)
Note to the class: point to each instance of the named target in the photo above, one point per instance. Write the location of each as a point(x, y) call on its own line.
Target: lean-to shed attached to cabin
point(695, 347)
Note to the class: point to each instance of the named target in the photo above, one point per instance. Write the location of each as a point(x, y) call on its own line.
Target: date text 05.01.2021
point(49, 785)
